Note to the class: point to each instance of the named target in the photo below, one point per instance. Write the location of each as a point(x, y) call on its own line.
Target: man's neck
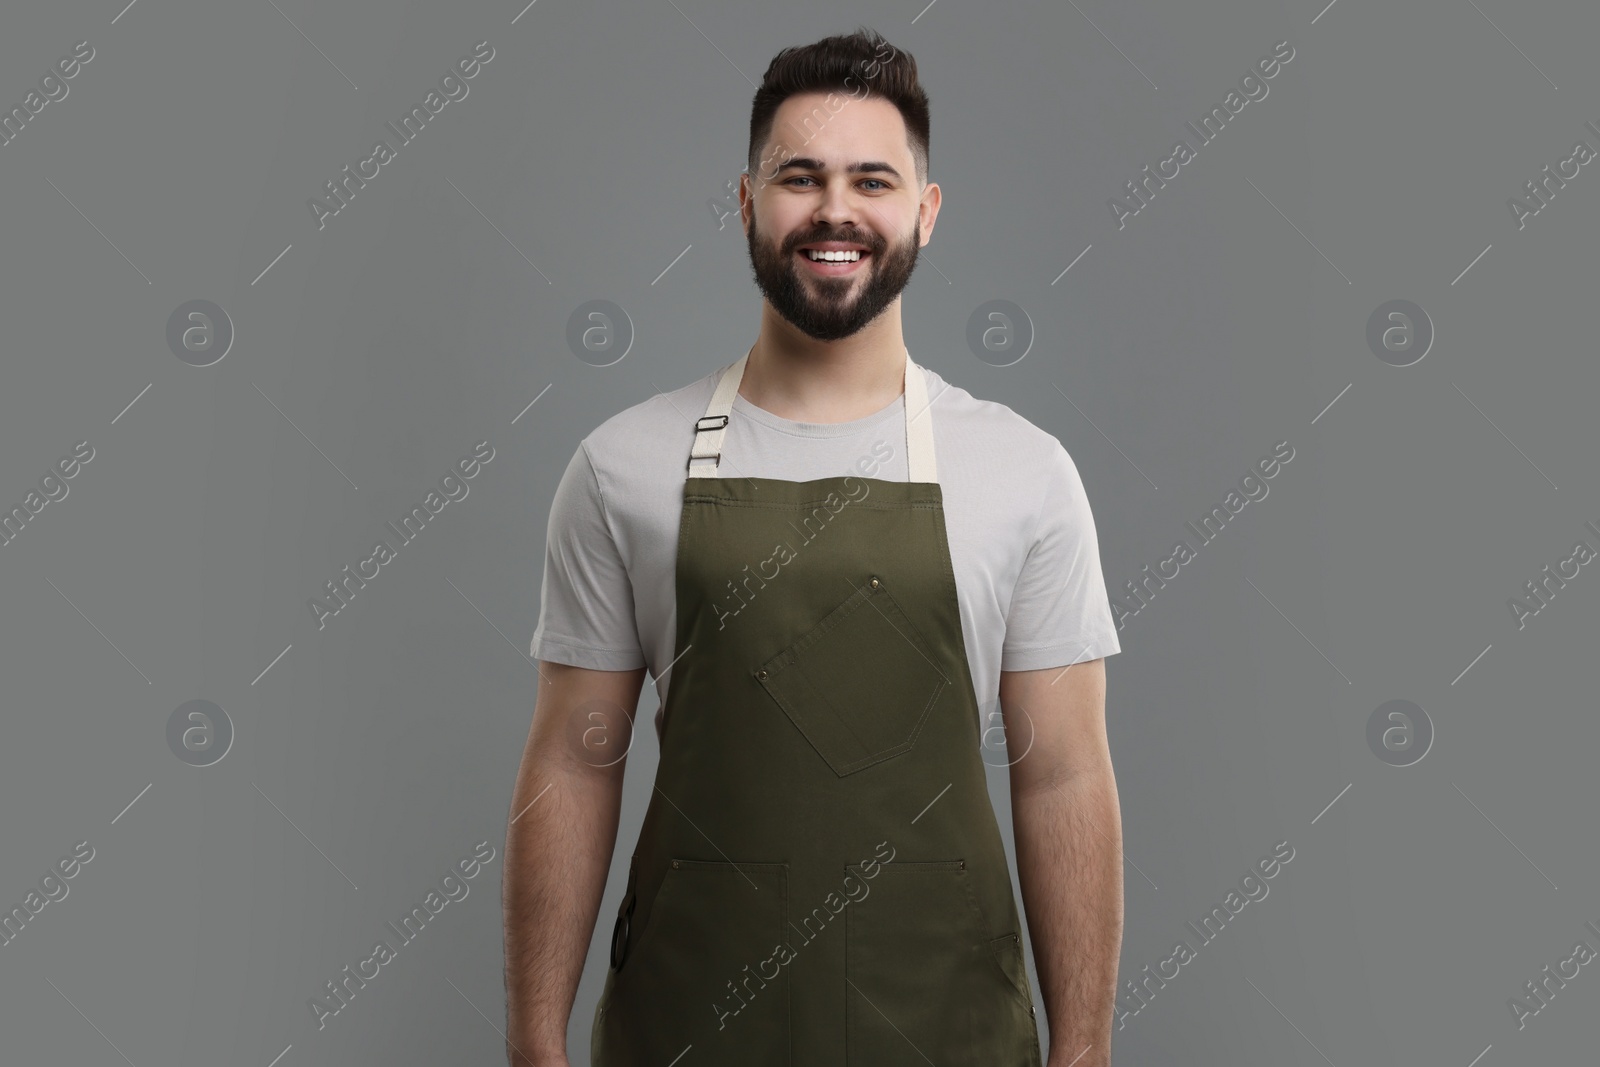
point(798, 378)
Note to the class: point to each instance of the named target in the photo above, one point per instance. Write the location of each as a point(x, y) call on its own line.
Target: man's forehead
point(839, 113)
point(853, 153)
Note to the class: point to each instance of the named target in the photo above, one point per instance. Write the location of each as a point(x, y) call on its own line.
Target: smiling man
point(845, 575)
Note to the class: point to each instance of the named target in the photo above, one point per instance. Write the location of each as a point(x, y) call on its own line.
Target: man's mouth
point(834, 261)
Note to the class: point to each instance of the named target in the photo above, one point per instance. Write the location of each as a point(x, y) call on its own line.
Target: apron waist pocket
point(923, 978)
point(712, 925)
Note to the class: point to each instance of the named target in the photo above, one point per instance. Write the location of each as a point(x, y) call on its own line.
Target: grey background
point(1176, 352)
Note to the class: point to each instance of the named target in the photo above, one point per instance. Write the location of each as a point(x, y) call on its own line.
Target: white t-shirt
point(1022, 538)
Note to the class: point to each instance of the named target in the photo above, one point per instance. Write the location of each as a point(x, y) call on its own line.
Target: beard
point(822, 307)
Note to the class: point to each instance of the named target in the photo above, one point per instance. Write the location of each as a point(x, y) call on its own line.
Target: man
point(832, 561)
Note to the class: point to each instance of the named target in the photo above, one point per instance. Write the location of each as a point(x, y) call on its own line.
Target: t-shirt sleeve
point(586, 616)
point(1059, 613)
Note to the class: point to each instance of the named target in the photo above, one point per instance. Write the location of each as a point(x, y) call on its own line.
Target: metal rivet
point(874, 583)
point(1030, 1011)
point(1016, 937)
point(962, 864)
point(674, 863)
point(761, 674)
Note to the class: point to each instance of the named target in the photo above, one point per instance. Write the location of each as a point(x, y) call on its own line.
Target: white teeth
point(833, 257)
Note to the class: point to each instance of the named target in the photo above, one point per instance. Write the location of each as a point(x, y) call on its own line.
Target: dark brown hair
point(857, 65)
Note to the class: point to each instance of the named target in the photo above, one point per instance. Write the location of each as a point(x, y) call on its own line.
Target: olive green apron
point(820, 877)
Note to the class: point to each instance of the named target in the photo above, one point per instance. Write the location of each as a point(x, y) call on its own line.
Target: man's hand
point(1068, 831)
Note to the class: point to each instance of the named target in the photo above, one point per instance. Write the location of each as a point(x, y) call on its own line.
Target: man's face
point(806, 198)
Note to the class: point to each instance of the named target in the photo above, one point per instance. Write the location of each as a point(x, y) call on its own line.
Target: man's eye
point(872, 181)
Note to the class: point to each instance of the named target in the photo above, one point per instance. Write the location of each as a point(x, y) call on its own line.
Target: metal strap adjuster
point(699, 425)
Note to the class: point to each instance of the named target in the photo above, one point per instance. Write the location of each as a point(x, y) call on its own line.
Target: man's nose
point(837, 208)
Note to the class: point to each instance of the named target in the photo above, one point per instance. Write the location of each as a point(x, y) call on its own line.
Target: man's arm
point(564, 814)
point(1068, 831)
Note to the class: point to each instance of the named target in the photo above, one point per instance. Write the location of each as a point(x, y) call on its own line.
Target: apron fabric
point(819, 878)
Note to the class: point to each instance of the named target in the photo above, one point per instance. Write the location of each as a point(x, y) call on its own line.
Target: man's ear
point(928, 210)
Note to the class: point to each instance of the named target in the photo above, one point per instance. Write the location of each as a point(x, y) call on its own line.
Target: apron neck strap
point(711, 426)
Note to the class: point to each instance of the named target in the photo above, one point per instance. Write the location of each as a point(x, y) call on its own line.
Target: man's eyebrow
point(865, 167)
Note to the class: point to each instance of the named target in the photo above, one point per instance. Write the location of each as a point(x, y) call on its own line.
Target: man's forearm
point(558, 852)
point(1069, 862)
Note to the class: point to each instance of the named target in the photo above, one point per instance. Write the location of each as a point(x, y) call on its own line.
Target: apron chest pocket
point(860, 683)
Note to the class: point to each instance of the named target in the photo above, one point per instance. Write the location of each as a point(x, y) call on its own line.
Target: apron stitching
point(918, 505)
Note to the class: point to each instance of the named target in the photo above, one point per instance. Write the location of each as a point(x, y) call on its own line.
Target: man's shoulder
point(968, 420)
point(652, 428)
